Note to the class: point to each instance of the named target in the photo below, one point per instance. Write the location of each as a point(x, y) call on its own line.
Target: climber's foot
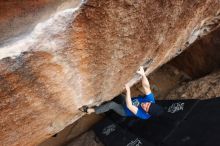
point(86, 109)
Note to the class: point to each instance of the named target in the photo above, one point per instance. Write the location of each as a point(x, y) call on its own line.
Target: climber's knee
point(111, 104)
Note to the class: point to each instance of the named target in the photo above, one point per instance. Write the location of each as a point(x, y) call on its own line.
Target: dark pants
point(118, 108)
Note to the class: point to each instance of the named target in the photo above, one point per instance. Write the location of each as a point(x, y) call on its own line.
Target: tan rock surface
point(71, 62)
point(203, 88)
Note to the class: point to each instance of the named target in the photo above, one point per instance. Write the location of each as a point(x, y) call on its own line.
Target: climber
point(141, 107)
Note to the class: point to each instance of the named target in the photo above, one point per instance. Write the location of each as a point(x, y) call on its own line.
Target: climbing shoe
point(84, 109)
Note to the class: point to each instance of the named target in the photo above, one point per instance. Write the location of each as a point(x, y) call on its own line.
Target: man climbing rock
point(141, 107)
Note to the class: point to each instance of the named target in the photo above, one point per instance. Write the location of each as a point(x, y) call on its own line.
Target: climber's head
point(152, 108)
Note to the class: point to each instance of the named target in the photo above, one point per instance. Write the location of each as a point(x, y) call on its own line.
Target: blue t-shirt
point(136, 101)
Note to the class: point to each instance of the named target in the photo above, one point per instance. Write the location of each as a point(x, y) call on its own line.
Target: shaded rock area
point(73, 131)
point(88, 138)
point(203, 88)
point(201, 58)
point(84, 56)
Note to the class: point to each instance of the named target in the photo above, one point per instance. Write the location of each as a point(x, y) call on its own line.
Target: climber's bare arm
point(145, 82)
point(131, 107)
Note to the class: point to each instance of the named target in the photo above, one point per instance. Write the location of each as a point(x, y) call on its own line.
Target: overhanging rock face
point(85, 55)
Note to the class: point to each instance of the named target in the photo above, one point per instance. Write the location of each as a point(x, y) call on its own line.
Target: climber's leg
point(110, 106)
point(120, 99)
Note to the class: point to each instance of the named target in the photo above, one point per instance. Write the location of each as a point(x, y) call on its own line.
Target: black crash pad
point(155, 130)
point(111, 134)
point(201, 127)
point(186, 122)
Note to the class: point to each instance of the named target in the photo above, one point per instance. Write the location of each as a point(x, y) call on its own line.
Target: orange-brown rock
point(88, 59)
point(203, 88)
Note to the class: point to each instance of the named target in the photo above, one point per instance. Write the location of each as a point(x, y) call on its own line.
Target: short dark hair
point(155, 110)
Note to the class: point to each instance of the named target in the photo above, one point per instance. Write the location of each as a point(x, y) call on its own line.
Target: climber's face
point(146, 106)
